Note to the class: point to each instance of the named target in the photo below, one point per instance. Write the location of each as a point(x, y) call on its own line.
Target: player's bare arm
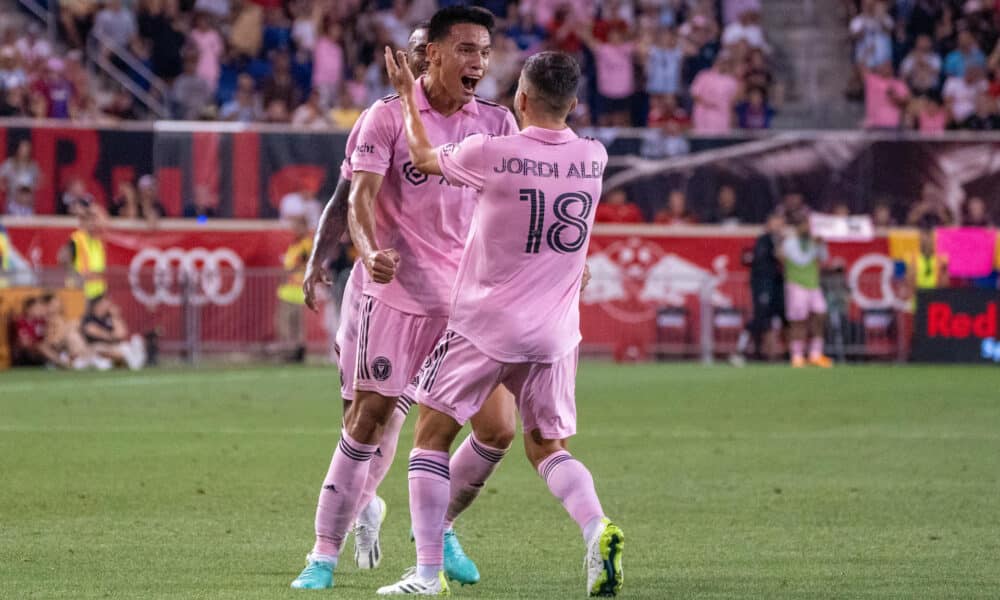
point(422, 153)
point(332, 224)
point(380, 263)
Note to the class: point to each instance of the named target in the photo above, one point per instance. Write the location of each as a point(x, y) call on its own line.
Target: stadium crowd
point(679, 64)
point(927, 65)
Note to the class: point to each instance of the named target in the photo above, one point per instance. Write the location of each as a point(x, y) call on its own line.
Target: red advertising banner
point(641, 275)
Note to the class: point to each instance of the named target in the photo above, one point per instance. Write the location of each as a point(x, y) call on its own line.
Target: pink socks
point(430, 488)
point(572, 484)
point(471, 465)
point(338, 500)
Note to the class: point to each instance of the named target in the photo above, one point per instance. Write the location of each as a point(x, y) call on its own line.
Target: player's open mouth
point(469, 84)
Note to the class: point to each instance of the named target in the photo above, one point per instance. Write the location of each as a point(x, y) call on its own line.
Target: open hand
point(315, 275)
point(399, 71)
point(382, 264)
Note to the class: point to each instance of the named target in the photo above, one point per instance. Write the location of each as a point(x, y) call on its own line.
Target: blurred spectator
point(216, 8)
point(702, 46)
point(204, 204)
point(279, 84)
point(505, 68)
point(76, 18)
point(615, 75)
point(975, 214)
point(276, 111)
point(885, 98)
point(746, 29)
point(310, 113)
point(157, 22)
point(927, 269)
point(64, 337)
point(967, 54)
point(562, 30)
point(12, 73)
point(676, 211)
point(76, 199)
point(663, 64)
point(616, 208)
point(302, 203)
point(870, 30)
point(805, 306)
point(840, 209)
point(669, 140)
point(106, 333)
point(985, 117)
point(664, 110)
point(149, 205)
point(395, 23)
point(84, 253)
point(209, 48)
point(288, 319)
point(346, 110)
point(328, 61)
point(30, 349)
point(725, 212)
point(931, 115)
point(960, 93)
point(125, 204)
point(245, 107)
point(882, 216)
point(755, 112)
point(33, 47)
point(930, 210)
point(791, 204)
point(21, 178)
point(121, 106)
point(55, 89)
point(526, 33)
point(714, 93)
point(115, 24)
point(766, 288)
point(247, 31)
point(190, 95)
point(921, 69)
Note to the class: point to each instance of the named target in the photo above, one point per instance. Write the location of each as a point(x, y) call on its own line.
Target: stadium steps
point(812, 60)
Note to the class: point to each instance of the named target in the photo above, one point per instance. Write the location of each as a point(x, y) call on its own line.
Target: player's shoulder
point(595, 144)
point(493, 109)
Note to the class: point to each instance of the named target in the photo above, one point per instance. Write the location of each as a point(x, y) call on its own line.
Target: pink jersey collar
point(423, 105)
point(549, 136)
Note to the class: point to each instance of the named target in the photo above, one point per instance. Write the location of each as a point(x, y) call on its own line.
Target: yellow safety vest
point(927, 270)
point(4, 259)
point(89, 263)
point(291, 290)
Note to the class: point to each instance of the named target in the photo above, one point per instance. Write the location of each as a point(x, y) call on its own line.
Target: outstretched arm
point(422, 153)
point(332, 225)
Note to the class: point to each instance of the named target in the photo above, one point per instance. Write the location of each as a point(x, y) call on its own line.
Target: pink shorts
point(346, 340)
point(391, 347)
point(458, 378)
point(800, 302)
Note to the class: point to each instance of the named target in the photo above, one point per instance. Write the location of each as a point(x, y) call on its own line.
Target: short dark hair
point(555, 78)
point(442, 21)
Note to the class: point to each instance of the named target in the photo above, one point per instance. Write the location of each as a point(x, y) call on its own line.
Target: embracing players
point(515, 315)
point(410, 231)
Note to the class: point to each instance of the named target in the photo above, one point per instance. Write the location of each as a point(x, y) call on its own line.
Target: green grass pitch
point(863, 482)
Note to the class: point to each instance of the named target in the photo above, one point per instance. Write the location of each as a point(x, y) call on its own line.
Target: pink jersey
point(352, 140)
point(420, 216)
point(517, 295)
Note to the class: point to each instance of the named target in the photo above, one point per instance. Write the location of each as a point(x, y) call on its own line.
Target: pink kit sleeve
point(352, 140)
point(376, 139)
point(464, 163)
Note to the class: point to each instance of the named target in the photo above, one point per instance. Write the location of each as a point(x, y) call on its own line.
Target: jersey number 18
point(564, 220)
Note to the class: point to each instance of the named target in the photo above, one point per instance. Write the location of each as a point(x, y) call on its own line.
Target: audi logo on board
point(212, 276)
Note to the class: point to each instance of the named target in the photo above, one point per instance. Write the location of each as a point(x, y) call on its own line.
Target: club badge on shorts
point(381, 368)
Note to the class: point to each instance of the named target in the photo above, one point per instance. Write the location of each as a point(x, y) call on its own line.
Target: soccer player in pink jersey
point(515, 316)
point(421, 222)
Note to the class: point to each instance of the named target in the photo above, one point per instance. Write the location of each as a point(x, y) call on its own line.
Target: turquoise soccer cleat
point(318, 575)
point(457, 566)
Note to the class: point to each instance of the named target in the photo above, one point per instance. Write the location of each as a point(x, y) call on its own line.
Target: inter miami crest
point(381, 368)
point(413, 175)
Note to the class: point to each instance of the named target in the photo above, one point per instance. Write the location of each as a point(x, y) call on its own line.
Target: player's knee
point(367, 416)
point(498, 435)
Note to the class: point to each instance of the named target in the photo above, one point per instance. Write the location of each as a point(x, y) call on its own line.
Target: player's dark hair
point(554, 79)
point(28, 303)
point(443, 20)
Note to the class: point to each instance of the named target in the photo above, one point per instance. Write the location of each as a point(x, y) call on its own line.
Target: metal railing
point(96, 59)
point(220, 310)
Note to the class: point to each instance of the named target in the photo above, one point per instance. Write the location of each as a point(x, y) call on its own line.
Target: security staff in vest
point(6, 258)
point(926, 269)
point(84, 254)
point(288, 321)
